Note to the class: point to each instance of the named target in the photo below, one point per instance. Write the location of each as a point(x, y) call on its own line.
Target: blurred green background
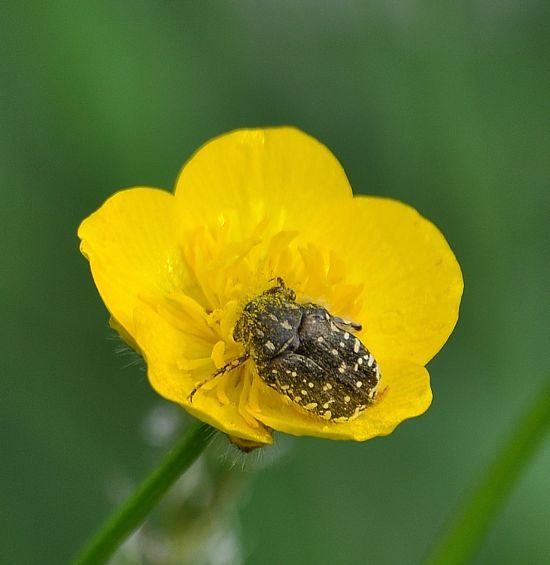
point(442, 104)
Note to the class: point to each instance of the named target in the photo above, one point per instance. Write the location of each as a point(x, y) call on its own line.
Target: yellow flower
point(249, 208)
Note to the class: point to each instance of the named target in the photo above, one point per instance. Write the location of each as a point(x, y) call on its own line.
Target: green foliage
point(442, 104)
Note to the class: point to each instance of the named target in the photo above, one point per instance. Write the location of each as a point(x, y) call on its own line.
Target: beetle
point(306, 354)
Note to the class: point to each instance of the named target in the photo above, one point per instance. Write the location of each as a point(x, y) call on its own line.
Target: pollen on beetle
point(307, 347)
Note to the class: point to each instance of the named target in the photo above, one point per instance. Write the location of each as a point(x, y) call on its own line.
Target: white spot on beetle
point(270, 345)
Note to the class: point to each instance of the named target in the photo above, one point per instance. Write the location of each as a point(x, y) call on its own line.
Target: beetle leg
point(237, 362)
point(346, 325)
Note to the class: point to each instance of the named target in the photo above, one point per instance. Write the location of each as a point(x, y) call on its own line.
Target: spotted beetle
point(306, 354)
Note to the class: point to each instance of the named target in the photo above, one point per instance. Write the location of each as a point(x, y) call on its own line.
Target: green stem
point(134, 511)
point(473, 519)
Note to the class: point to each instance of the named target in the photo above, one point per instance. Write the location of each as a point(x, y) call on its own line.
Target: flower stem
point(473, 519)
point(134, 511)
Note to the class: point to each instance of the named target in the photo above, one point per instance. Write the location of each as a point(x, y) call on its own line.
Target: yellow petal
point(166, 349)
point(404, 393)
point(280, 173)
point(412, 283)
point(132, 248)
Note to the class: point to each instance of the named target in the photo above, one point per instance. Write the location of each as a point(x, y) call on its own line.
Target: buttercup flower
point(261, 209)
